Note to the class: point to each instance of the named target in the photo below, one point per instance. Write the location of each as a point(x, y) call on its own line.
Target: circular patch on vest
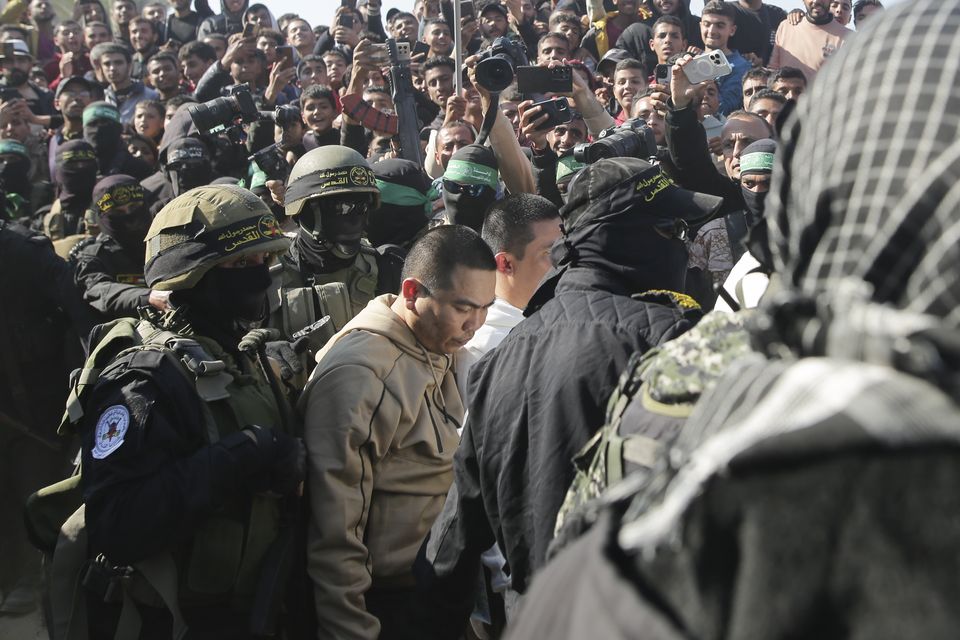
point(111, 427)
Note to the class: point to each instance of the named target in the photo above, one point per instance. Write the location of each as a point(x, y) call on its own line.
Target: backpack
point(654, 397)
point(55, 515)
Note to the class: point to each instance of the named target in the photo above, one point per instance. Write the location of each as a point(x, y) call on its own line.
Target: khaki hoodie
point(381, 419)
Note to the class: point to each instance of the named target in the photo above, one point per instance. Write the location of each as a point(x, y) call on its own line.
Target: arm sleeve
point(104, 293)
point(545, 176)
point(375, 25)
point(447, 567)
point(355, 137)
point(148, 495)
point(342, 431)
point(212, 82)
point(687, 142)
point(515, 170)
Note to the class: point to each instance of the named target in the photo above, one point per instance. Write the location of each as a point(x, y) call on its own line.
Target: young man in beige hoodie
point(382, 412)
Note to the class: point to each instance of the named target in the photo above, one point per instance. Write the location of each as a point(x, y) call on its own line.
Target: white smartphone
point(709, 65)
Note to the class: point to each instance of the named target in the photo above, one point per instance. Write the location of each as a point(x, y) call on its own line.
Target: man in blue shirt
point(717, 25)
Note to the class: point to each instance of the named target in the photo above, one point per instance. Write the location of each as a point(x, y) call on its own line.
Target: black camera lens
point(494, 74)
point(213, 115)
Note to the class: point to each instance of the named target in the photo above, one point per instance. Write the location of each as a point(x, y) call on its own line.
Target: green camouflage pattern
point(682, 369)
point(667, 380)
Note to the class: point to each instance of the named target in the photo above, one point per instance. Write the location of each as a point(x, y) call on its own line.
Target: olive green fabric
point(206, 226)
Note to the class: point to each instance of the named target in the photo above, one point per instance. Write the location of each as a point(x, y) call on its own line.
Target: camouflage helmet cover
point(202, 228)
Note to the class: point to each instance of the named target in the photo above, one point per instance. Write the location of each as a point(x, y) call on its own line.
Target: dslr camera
point(270, 160)
point(222, 113)
point(632, 139)
point(495, 68)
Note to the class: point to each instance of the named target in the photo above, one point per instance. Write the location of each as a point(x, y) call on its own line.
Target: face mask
point(76, 182)
point(16, 77)
point(755, 204)
point(342, 222)
point(104, 136)
point(14, 177)
point(185, 177)
point(466, 209)
point(128, 229)
point(229, 299)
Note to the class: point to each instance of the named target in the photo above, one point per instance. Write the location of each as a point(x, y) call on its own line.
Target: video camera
point(496, 64)
point(220, 114)
point(632, 139)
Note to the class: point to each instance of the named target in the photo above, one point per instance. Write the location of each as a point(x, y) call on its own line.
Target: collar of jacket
point(378, 317)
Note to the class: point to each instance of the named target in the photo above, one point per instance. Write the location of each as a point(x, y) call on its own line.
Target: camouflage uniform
point(653, 399)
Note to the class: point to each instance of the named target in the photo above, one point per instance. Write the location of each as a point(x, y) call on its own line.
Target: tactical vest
point(301, 300)
point(654, 397)
point(223, 560)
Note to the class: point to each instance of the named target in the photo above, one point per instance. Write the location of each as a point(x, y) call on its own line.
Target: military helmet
point(203, 227)
point(327, 171)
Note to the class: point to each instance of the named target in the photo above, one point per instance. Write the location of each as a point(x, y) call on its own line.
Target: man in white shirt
point(520, 230)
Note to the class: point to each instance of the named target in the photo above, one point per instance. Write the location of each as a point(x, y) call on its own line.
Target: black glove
point(284, 460)
point(285, 355)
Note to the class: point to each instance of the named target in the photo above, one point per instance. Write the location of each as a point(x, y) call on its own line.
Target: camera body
point(495, 67)
point(270, 160)
point(632, 139)
point(286, 115)
point(222, 113)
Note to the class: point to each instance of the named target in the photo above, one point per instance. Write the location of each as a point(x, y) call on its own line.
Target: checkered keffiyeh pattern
point(867, 184)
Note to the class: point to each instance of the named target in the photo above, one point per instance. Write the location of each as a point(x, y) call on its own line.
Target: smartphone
point(712, 127)
point(466, 9)
point(9, 93)
point(8, 50)
point(403, 51)
point(557, 110)
point(420, 47)
point(661, 75)
point(709, 65)
point(249, 30)
point(345, 20)
point(285, 56)
point(533, 80)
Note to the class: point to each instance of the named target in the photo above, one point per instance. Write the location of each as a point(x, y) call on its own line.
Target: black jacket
point(37, 346)
point(535, 401)
point(112, 279)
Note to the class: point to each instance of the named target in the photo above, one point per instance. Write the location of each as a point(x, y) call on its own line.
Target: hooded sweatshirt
point(381, 419)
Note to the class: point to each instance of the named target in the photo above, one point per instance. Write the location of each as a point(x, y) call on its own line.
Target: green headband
point(758, 162)
point(403, 196)
point(12, 146)
point(567, 165)
point(471, 173)
point(100, 112)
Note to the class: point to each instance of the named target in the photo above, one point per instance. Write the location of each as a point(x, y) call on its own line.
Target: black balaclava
point(14, 168)
point(757, 159)
point(130, 228)
point(331, 231)
point(75, 175)
point(187, 165)
point(623, 228)
point(102, 129)
point(227, 303)
point(476, 166)
point(406, 196)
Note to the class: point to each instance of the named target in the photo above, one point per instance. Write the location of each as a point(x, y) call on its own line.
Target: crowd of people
point(517, 319)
